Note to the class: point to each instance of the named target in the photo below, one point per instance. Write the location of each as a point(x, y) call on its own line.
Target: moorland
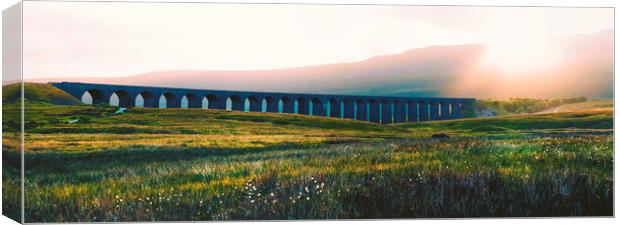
point(90, 163)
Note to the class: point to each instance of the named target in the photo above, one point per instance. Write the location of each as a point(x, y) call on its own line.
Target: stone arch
point(444, 110)
point(234, 103)
point(254, 105)
point(168, 100)
point(399, 111)
point(302, 106)
point(317, 107)
point(455, 110)
point(93, 96)
point(348, 108)
point(121, 98)
point(204, 103)
point(435, 110)
point(271, 105)
point(374, 112)
point(334, 108)
point(412, 111)
point(286, 104)
point(386, 111)
point(423, 111)
point(212, 101)
point(145, 99)
point(190, 100)
point(361, 111)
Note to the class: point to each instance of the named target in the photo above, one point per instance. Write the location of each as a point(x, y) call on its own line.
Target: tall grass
point(394, 179)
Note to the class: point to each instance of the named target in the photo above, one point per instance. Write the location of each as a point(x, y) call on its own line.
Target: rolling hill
point(596, 105)
point(585, 68)
point(36, 92)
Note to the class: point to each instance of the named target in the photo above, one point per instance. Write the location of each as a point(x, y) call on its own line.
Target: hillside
point(449, 71)
point(35, 92)
point(566, 121)
point(513, 106)
point(598, 105)
point(403, 74)
point(237, 129)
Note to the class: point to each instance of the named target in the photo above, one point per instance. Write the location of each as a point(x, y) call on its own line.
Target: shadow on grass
point(134, 155)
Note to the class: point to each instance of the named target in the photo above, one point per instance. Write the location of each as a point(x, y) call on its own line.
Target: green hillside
point(585, 119)
point(598, 105)
point(490, 107)
point(37, 92)
point(51, 119)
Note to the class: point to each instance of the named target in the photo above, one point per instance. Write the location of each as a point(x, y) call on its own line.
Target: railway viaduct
point(377, 109)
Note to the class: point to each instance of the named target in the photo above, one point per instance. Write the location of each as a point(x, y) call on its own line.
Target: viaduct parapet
point(377, 109)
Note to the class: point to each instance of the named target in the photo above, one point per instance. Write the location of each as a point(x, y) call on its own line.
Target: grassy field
point(602, 105)
point(194, 164)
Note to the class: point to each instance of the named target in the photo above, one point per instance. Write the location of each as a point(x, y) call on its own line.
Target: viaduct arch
point(376, 109)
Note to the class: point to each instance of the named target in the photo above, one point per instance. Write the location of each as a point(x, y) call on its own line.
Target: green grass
point(523, 105)
point(36, 92)
point(568, 120)
point(194, 164)
point(581, 106)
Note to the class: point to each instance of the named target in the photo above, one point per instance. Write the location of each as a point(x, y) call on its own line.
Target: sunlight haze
point(120, 39)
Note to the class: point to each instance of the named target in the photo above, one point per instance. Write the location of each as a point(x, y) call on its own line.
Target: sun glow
point(520, 55)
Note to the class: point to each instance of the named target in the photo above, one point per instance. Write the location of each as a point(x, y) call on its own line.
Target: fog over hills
point(585, 69)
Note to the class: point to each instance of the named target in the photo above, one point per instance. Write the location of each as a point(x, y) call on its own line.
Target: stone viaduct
point(375, 109)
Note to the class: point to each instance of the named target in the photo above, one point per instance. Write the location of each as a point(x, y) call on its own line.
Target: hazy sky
point(63, 39)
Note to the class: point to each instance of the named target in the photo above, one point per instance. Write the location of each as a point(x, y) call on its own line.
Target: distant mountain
point(432, 71)
point(417, 72)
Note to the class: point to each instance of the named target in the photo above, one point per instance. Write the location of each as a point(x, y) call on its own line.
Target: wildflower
point(271, 194)
point(307, 198)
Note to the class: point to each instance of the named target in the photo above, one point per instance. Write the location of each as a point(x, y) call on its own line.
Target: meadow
point(85, 163)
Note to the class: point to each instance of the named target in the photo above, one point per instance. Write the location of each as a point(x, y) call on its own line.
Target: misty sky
point(63, 39)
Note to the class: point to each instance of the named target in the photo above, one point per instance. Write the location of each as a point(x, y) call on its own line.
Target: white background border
point(570, 3)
